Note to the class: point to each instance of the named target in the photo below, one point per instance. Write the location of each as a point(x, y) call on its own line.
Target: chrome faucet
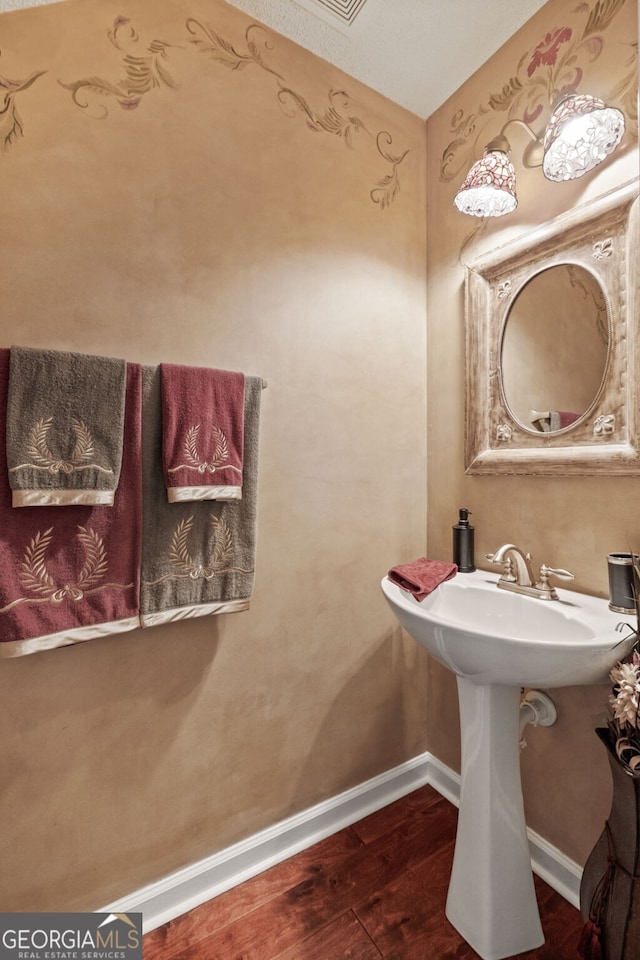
point(518, 575)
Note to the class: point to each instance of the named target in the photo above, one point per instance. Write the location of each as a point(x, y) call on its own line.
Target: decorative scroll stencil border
point(145, 69)
point(335, 119)
point(11, 128)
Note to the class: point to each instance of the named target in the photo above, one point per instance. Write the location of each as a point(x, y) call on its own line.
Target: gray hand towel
point(198, 558)
point(65, 421)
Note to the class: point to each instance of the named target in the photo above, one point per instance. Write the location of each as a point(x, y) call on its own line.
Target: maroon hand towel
point(567, 418)
point(202, 433)
point(421, 577)
point(559, 419)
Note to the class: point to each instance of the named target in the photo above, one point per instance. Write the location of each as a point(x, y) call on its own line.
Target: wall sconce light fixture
point(581, 133)
point(489, 189)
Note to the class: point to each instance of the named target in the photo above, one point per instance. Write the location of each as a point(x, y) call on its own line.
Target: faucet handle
point(507, 567)
point(547, 590)
point(556, 571)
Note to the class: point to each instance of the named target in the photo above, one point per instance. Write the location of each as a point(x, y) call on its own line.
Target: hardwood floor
point(374, 890)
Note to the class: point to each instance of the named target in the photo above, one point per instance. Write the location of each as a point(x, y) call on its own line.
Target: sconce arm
point(533, 153)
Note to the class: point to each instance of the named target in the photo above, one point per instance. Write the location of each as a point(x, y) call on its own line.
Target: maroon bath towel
point(421, 577)
point(71, 575)
point(202, 433)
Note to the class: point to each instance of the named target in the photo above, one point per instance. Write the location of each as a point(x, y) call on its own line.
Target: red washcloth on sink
point(421, 577)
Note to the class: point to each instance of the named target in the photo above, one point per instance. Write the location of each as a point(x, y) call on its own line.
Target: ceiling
point(416, 52)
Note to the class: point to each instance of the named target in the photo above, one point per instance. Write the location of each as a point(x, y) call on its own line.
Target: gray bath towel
point(198, 558)
point(65, 420)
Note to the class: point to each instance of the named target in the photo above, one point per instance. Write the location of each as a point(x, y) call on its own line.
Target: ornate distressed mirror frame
point(602, 238)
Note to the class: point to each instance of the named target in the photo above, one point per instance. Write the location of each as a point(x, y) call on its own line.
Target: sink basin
point(497, 642)
point(490, 635)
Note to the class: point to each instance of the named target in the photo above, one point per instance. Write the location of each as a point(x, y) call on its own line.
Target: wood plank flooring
point(374, 890)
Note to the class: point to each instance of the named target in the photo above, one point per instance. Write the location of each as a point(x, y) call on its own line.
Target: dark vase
point(610, 888)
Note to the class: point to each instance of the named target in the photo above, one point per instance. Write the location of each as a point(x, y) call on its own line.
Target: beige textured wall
point(227, 215)
point(570, 523)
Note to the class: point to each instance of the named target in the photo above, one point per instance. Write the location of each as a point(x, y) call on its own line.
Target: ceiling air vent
point(340, 13)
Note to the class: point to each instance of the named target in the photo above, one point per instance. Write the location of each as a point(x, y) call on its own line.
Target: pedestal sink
point(497, 642)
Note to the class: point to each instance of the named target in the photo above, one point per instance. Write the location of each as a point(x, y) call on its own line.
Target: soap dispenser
point(463, 543)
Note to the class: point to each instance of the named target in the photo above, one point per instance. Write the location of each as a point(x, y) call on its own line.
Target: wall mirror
point(551, 361)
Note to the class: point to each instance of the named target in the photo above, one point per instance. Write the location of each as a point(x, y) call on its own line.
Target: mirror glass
point(554, 348)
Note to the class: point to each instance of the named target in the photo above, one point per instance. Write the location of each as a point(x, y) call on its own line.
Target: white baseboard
point(188, 888)
point(445, 780)
point(556, 869)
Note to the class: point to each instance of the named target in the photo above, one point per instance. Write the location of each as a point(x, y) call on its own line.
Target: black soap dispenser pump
point(463, 543)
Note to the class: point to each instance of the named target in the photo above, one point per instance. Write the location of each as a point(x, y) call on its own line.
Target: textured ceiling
point(416, 52)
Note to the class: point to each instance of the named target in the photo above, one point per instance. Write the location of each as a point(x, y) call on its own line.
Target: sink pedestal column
point(491, 899)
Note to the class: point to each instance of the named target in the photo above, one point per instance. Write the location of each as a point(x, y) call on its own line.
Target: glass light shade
point(582, 132)
point(489, 189)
